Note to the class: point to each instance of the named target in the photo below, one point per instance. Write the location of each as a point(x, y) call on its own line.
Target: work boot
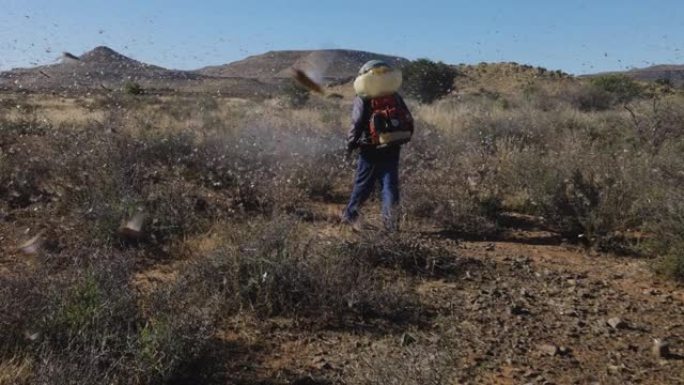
point(354, 224)
point(391, 221)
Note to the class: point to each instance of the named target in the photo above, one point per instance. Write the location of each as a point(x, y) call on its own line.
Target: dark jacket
point(359, 132)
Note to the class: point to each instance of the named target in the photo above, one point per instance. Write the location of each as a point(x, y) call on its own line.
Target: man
point(381, 123)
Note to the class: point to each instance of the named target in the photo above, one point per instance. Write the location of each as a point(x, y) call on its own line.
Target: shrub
point(296, 96)
point(658, 121)
point(586, 198)
point(428, 81)
point(87, 322)
point(180, 320)
point(665, 221)
point(590, 98)
point(405, 252)
point(665, 82)
point(74, 324)
point(272, 271)
point(449, 183)
point(133, 88)
point(622, 88)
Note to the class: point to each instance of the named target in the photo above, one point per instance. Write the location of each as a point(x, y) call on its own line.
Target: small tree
point(428, 81)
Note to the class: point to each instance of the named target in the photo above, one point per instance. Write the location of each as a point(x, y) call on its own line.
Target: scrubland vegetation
point(240, 201)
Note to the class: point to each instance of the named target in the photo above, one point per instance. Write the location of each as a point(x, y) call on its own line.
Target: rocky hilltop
point(331, 64)
point(101, 67)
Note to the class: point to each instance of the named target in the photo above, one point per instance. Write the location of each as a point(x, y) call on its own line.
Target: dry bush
point(181, 319)
point(583, 190)
point(79, 318)
point(657, 121)
point(583, 172)
point(444, 182)
point(85, 323)
point(97, 179)
point(667, 223)
point(270, 269)
point(587, 98)
point(406, 252)
point(276, 167)
point(97, 176)
point(663, 211)
point(135, 173)
point(22, 167)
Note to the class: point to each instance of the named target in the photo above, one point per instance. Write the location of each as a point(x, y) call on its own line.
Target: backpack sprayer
point(390, 121)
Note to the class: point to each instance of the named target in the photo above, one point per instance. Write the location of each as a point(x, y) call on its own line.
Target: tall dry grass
point(245, 172)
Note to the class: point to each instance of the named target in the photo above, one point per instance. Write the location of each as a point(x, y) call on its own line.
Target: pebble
point(617, 323)
point(549, 349)
point(519, 310)
point(661, 349)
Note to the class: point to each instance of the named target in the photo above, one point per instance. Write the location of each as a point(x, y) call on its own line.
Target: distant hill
point(101, 67)
point(673, 73)
point(333, 64)
point(266, 74)
point(104, 68)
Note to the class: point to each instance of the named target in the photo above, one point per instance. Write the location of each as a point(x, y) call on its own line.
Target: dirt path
point(525, 309)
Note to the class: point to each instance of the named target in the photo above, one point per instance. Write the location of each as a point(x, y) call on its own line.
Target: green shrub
point(622, 88)
point(428, 81)
point(133, 88)
point(296, 96)
point(665, 222)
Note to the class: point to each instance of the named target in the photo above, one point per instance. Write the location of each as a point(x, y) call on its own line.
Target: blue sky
point(576, 36)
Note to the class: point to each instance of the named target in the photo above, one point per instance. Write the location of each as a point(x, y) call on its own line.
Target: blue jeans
point(376, 165)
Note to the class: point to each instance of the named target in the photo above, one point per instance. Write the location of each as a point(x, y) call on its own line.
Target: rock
point(549, 349)
point(652, 292)
point(564, 350)
point(661, 349)
point(617, 323)
point(519, 310)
